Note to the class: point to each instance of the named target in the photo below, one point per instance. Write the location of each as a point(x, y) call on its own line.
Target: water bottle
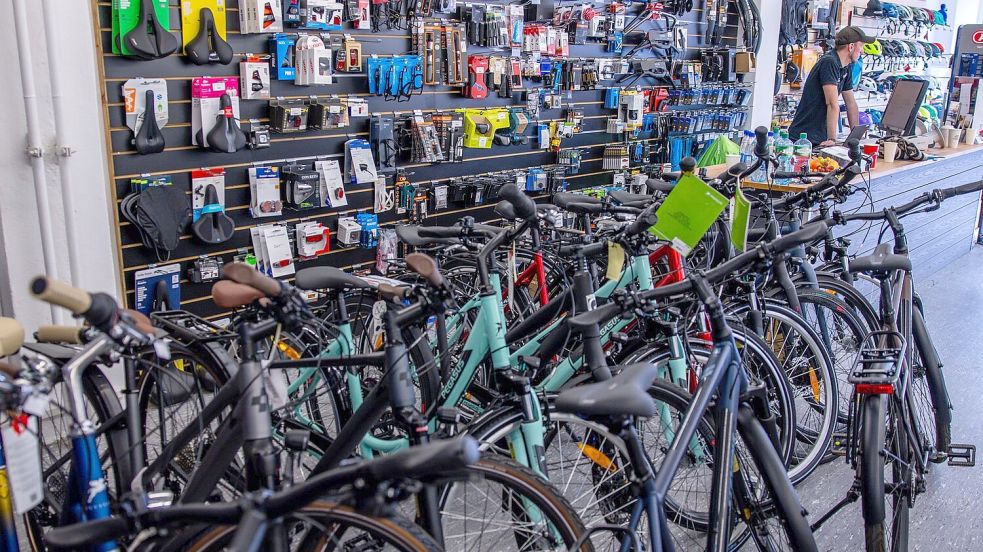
point(747, 148)
point(802, 151)
point(761, 175)
point(784, 153)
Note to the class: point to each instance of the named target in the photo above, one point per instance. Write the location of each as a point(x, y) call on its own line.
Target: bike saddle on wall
point(208, 46)
point(226, 136)
point(149, 139)
point(149, 39)
point(213, 226)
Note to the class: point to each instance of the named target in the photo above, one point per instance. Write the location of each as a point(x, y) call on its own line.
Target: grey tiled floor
point(949, 515)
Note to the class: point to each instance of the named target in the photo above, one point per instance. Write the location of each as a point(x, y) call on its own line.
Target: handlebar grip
point(525, 207)
point(687, 165)
point(643, 221)
point(786, 175)
point(244, 274)
point(439, 231)
point(79, 535)
point(62, 294)
point(733, 173)
point(11, 336)
point(761, 141)
point(59, 334)
point(433, 458)
point(505, 210)
point(853, 145)
point(964, 189)
point(10, 370)
point(807, 234)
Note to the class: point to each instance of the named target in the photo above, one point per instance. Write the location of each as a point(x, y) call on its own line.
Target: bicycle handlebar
point(960, 190)
point(59, 334)
point(62, 294)
point(524, 206)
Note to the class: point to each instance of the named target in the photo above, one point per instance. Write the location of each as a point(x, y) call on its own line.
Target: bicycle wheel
point(886, 482)
point(502, 506)
point(861, 297)
point(810, 374)
point(54, 432)
point(928, 399)
point(325, 526)
point(764, 494)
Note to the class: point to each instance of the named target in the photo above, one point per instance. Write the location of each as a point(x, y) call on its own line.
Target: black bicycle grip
point(79, 536)
point(439, 231)
point(964, 189)
point(853, 145)
point(807, 234)
point(786, 175)
point(687, 165)
point(504, 209)
point(661, 185)
point(432, 459)
point(525, 208)
point(761, 141)
point(643, 221)
point(733, 173)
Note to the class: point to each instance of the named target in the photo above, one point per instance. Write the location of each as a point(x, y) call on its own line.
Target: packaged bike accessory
point(207, 105)
point(264, 189)
point(327, 113)
point(205, 270)
point(480, 126)
point(276, 247)
point(254, 74)
point(388, 250)
point(143, 97)
point(312, 238)
point(289, 115)
point(258, 137)
point(203, 30)
point(349, 56)
point(313, 61)
point(477, 68)
point(359, 164)
point(369, 230)
point(141, 28)
point(332, 186)
point(201, 179)
point(291, 12)
point(147, 283)
point(160, 214)
point(213, 225)
point(260, 16)
point(383, 143)
point(349, 231)
point(322, 15)
point(357, 107)
point(140, 184)
point(383, 199)
point(282, 49)
point(301, 187)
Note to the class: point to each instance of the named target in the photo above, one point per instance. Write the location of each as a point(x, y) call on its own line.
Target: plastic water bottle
point(747, 148)
point(802, 152)
point(784, 155)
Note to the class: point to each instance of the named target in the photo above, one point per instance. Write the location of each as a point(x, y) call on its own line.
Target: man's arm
point(832, 96)
point(852, 112)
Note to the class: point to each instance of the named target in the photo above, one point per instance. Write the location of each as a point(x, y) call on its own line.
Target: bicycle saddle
point(208, 46)
point(631, 200)
point(149, 39)
point(623, 395)
point(213, 226)
point(328, 277)
point(226, 136)
point(562, 199)
point(881, 260)
point(149, 138)
point(410, 234)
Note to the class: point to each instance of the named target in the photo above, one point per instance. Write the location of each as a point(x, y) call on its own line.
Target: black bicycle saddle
point(149, 39)
point(149, 138)
point(213, 226)
point(208, 46)
point(226, 136)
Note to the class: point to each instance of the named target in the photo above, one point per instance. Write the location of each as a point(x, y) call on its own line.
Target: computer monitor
point(902, 108)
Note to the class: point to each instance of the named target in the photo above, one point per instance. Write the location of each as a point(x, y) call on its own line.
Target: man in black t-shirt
point(819, 107)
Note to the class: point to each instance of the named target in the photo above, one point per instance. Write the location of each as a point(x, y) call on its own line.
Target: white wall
point(763, 96)
point(19, 231)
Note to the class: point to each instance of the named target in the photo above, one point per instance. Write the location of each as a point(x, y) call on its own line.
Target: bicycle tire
point(398, 532)
point(879, 424)
point(828, 282)
point(927, 393)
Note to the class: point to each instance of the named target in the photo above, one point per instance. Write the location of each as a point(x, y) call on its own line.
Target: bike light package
point(254, 74)
point(260, 16)
point(313, 61)
point(264, 188)
point(206, 95)
point(312, 239)
point(323, 15)
point(327, 113)
point(289, 115)
point(276, 243)
point(359, 163)
point(332, 185)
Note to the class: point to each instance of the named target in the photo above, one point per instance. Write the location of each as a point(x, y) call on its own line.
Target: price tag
point(616, 261)
point(20, 446)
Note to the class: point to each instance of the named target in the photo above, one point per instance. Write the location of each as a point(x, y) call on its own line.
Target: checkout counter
point(936, 238)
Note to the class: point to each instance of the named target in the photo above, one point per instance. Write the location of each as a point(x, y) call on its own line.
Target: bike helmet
point(873, 49)
point(890, 10)
point(867, 84)
point(864, 118)
point(939, 17)
point(874, 8)
point(875, 116)
point(923, 112)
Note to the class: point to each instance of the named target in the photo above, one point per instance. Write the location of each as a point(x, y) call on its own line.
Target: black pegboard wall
point(179, 157)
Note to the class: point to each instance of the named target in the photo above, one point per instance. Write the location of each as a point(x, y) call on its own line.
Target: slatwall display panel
point(179, 157)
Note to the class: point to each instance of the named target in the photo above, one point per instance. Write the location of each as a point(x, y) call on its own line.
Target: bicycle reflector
point(874, 388)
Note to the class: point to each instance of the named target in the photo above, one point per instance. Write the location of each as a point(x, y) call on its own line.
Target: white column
point(763, 97)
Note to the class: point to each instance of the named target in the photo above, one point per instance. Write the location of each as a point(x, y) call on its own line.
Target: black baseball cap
point(851, 34)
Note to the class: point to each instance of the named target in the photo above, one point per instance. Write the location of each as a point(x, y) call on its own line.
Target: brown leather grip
point(425, 266)
point(245, 274)
point(9, 370)
point(59, 334)
point(391, 293)
point(141, 321)
point(59, 293)
point(11, 336)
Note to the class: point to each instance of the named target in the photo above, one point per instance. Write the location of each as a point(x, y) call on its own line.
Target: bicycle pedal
point(962, 456)
point(838, 445)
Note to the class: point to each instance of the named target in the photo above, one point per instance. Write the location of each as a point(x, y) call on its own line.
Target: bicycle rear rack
point(190, 327)
point(878, 364)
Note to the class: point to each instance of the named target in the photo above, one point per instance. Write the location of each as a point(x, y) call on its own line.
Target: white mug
point(890, 151)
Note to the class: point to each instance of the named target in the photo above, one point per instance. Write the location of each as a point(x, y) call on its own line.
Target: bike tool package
point(332, 186)
point(313, 61)
point(442, 47)
point(301, 186)
point(426, 145)
point(215, 114)
point(480, 126)
point(142, 29)
point(145, 104)
point(254, 77)
point(264, 191)
point(450, 131)
point(289, 115)
point(395, 77)
point(203, 32)
point(210, 224)
point(158, 286)
point(282, 50)
point(260, 16)
point(382, 138)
